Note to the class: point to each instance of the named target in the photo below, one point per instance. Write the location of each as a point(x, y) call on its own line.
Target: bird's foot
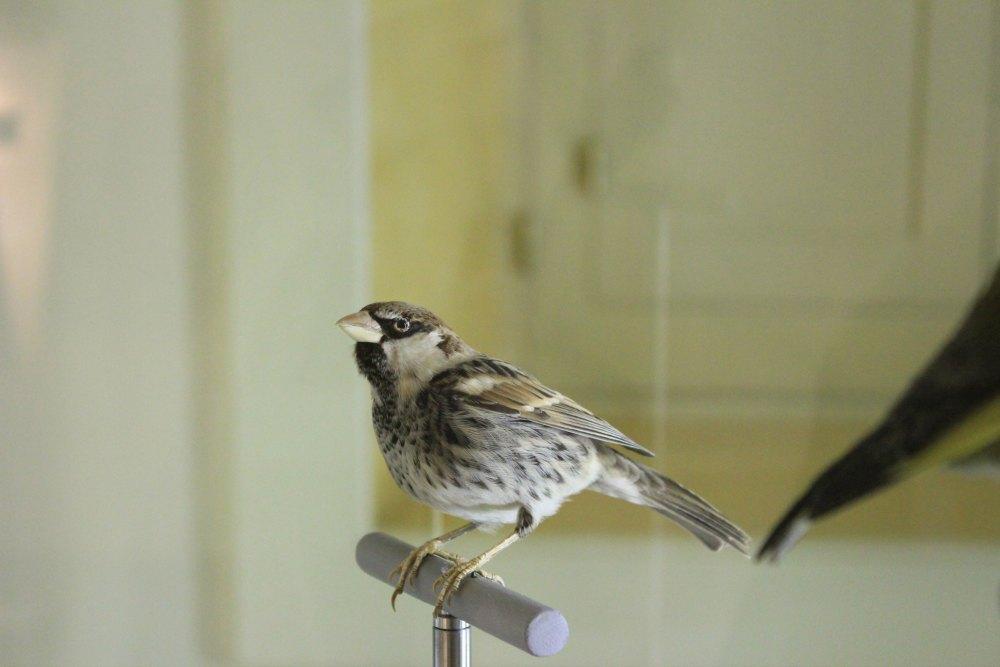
point(450, 581)
point(407, 569)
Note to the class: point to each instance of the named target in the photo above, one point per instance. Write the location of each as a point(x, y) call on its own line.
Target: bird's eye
point(401, 324)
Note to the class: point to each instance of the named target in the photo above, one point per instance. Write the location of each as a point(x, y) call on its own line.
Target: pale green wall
point(185, 463)
point(98, 519)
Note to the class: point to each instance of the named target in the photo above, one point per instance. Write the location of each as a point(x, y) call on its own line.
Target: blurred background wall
point(735, 230)
point(98, 527)
point(184, 214)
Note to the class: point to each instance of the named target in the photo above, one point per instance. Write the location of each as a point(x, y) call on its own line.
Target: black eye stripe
point(389, 329)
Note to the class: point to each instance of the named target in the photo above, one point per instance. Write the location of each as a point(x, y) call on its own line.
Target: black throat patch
point(374, 366)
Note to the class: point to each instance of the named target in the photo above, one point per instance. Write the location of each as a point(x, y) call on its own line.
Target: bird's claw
point(450, 581)
point(406, 571)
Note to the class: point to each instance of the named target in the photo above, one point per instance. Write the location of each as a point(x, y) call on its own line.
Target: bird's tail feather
point(787, 533)
point(629, 480)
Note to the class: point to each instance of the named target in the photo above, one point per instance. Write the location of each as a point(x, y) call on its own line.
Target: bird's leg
point(407, 569)
point(452, 579)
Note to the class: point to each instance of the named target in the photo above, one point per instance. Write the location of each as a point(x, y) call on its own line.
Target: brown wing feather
point(499, 387)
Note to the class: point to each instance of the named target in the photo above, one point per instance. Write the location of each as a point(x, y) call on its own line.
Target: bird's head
point(409, 343)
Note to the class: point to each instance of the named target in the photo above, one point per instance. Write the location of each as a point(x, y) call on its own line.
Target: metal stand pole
point(452, 637)
point(506, 614)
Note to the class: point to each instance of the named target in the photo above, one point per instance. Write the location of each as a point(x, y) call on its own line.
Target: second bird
point(479, 439)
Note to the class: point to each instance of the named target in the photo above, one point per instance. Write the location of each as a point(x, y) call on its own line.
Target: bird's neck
point(395, 382)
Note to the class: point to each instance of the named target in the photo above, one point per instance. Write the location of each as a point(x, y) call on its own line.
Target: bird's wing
point(949, 412)
point(498, 388)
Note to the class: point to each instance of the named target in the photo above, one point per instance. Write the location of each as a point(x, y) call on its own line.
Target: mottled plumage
point(950, 414)
point(479, 439)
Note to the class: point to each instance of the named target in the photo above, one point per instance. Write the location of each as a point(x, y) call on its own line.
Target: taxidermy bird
point(479, 439)
point(950, 414)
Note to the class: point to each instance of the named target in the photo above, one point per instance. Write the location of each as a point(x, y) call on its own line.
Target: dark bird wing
point(496, 387)
point(950, 412)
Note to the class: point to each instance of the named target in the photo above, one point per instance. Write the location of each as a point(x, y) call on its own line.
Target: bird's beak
point(361, 326)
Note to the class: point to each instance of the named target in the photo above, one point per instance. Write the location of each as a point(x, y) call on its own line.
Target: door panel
point(807, 176)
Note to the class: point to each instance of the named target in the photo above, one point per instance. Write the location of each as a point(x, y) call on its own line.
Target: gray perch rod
point(499, 611)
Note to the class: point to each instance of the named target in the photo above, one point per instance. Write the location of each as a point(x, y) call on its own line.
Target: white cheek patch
point(417, 356)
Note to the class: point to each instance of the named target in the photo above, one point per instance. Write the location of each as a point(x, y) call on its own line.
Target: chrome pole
point(451, 641)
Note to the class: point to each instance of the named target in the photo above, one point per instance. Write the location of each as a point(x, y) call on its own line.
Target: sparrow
point(480, 439)
point(950, 414)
